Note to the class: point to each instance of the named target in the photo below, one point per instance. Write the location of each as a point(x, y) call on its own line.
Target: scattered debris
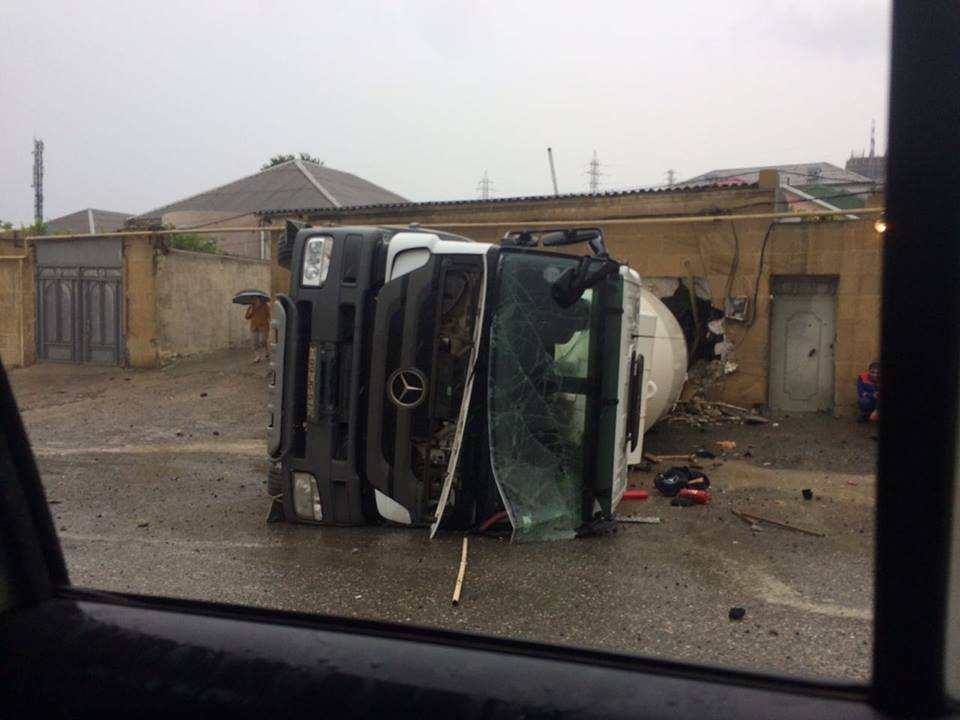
point(463, 571)
point(668, 458)
point(807, 494)
point(671, 481)
point(648, 520)
point(636, 495)
point(852, 482)
point(726, 444)
point(179, 433)
point(700, 497)
point(54, 502)
point(694, 410)
point(216, 432)
point(143, 524)
point(705, 454)
point(697, 412)
point(757, 520)
point(731, 408)
point(203, 394)
point(737, 613)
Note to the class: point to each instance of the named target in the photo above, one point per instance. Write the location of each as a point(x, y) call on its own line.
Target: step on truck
point(420, 378)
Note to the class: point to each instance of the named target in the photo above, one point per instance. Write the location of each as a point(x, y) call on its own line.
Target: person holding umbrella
point(258, 313)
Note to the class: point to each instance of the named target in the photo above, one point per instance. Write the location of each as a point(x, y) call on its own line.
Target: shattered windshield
point(540, 380)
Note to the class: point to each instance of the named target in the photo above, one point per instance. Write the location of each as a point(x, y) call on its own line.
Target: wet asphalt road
point(156, 489)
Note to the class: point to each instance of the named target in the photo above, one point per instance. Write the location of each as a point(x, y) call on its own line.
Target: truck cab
point(420, 378)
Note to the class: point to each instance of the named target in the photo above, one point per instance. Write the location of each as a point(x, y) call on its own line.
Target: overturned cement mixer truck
point(421, 378)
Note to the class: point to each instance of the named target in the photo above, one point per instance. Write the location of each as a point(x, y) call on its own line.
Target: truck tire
point(274, 480)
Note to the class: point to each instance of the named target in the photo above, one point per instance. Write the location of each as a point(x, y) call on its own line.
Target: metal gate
point(78, 301)
point(802, 339)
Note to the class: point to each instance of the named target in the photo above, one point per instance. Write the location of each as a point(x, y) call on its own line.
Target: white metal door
point(802, 339)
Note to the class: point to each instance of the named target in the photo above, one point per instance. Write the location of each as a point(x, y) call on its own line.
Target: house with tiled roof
point(295, 183)
point(88, 220)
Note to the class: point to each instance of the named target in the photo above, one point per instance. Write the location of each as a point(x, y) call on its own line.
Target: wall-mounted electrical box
point(737, 308)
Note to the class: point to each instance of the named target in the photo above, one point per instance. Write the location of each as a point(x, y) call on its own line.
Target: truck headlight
point(316, 260)
point(306, 497)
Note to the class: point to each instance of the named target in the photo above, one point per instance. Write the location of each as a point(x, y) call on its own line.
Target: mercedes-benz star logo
point(407, 388)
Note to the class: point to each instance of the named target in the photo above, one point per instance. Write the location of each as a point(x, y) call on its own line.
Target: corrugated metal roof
point(320, 210)
point(291, 184)
point(89, 220)
point(815, 173)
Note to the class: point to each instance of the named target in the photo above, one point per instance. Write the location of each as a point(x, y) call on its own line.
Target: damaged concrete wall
point(193, 301)
point(849, 250)
point(17, 297)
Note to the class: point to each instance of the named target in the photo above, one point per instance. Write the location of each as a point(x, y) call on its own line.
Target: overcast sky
point(140, 104)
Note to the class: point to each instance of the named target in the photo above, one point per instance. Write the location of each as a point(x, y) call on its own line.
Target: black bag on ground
point(672, 481)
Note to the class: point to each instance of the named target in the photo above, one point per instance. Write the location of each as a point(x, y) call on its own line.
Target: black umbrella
point(246, 297)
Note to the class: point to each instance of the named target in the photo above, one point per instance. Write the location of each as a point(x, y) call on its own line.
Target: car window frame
point(917, 432)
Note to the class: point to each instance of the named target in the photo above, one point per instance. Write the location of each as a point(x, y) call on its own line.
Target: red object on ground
point(636, 495)
point(700, 497)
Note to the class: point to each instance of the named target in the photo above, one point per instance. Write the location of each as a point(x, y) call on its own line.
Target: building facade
point(798, 301)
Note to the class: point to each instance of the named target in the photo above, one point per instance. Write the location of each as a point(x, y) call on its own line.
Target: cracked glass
point(539, 387)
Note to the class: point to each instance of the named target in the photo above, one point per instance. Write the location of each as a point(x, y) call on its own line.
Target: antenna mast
point(37, 181)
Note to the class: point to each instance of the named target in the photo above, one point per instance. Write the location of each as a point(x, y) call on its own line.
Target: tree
point(281, 159)
point(6, 225)
point(195, 243)
point(38, 228)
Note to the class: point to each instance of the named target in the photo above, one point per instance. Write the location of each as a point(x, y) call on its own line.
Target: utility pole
point(37, 181)
point(594, 173)
point(671, 178)
point(484, 187)
point(873, 139)
point(553, 171)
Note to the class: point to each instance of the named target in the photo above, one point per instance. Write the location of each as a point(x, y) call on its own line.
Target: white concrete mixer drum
point(666, 361)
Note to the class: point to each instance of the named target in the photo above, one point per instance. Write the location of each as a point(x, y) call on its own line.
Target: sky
point(143, 103)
